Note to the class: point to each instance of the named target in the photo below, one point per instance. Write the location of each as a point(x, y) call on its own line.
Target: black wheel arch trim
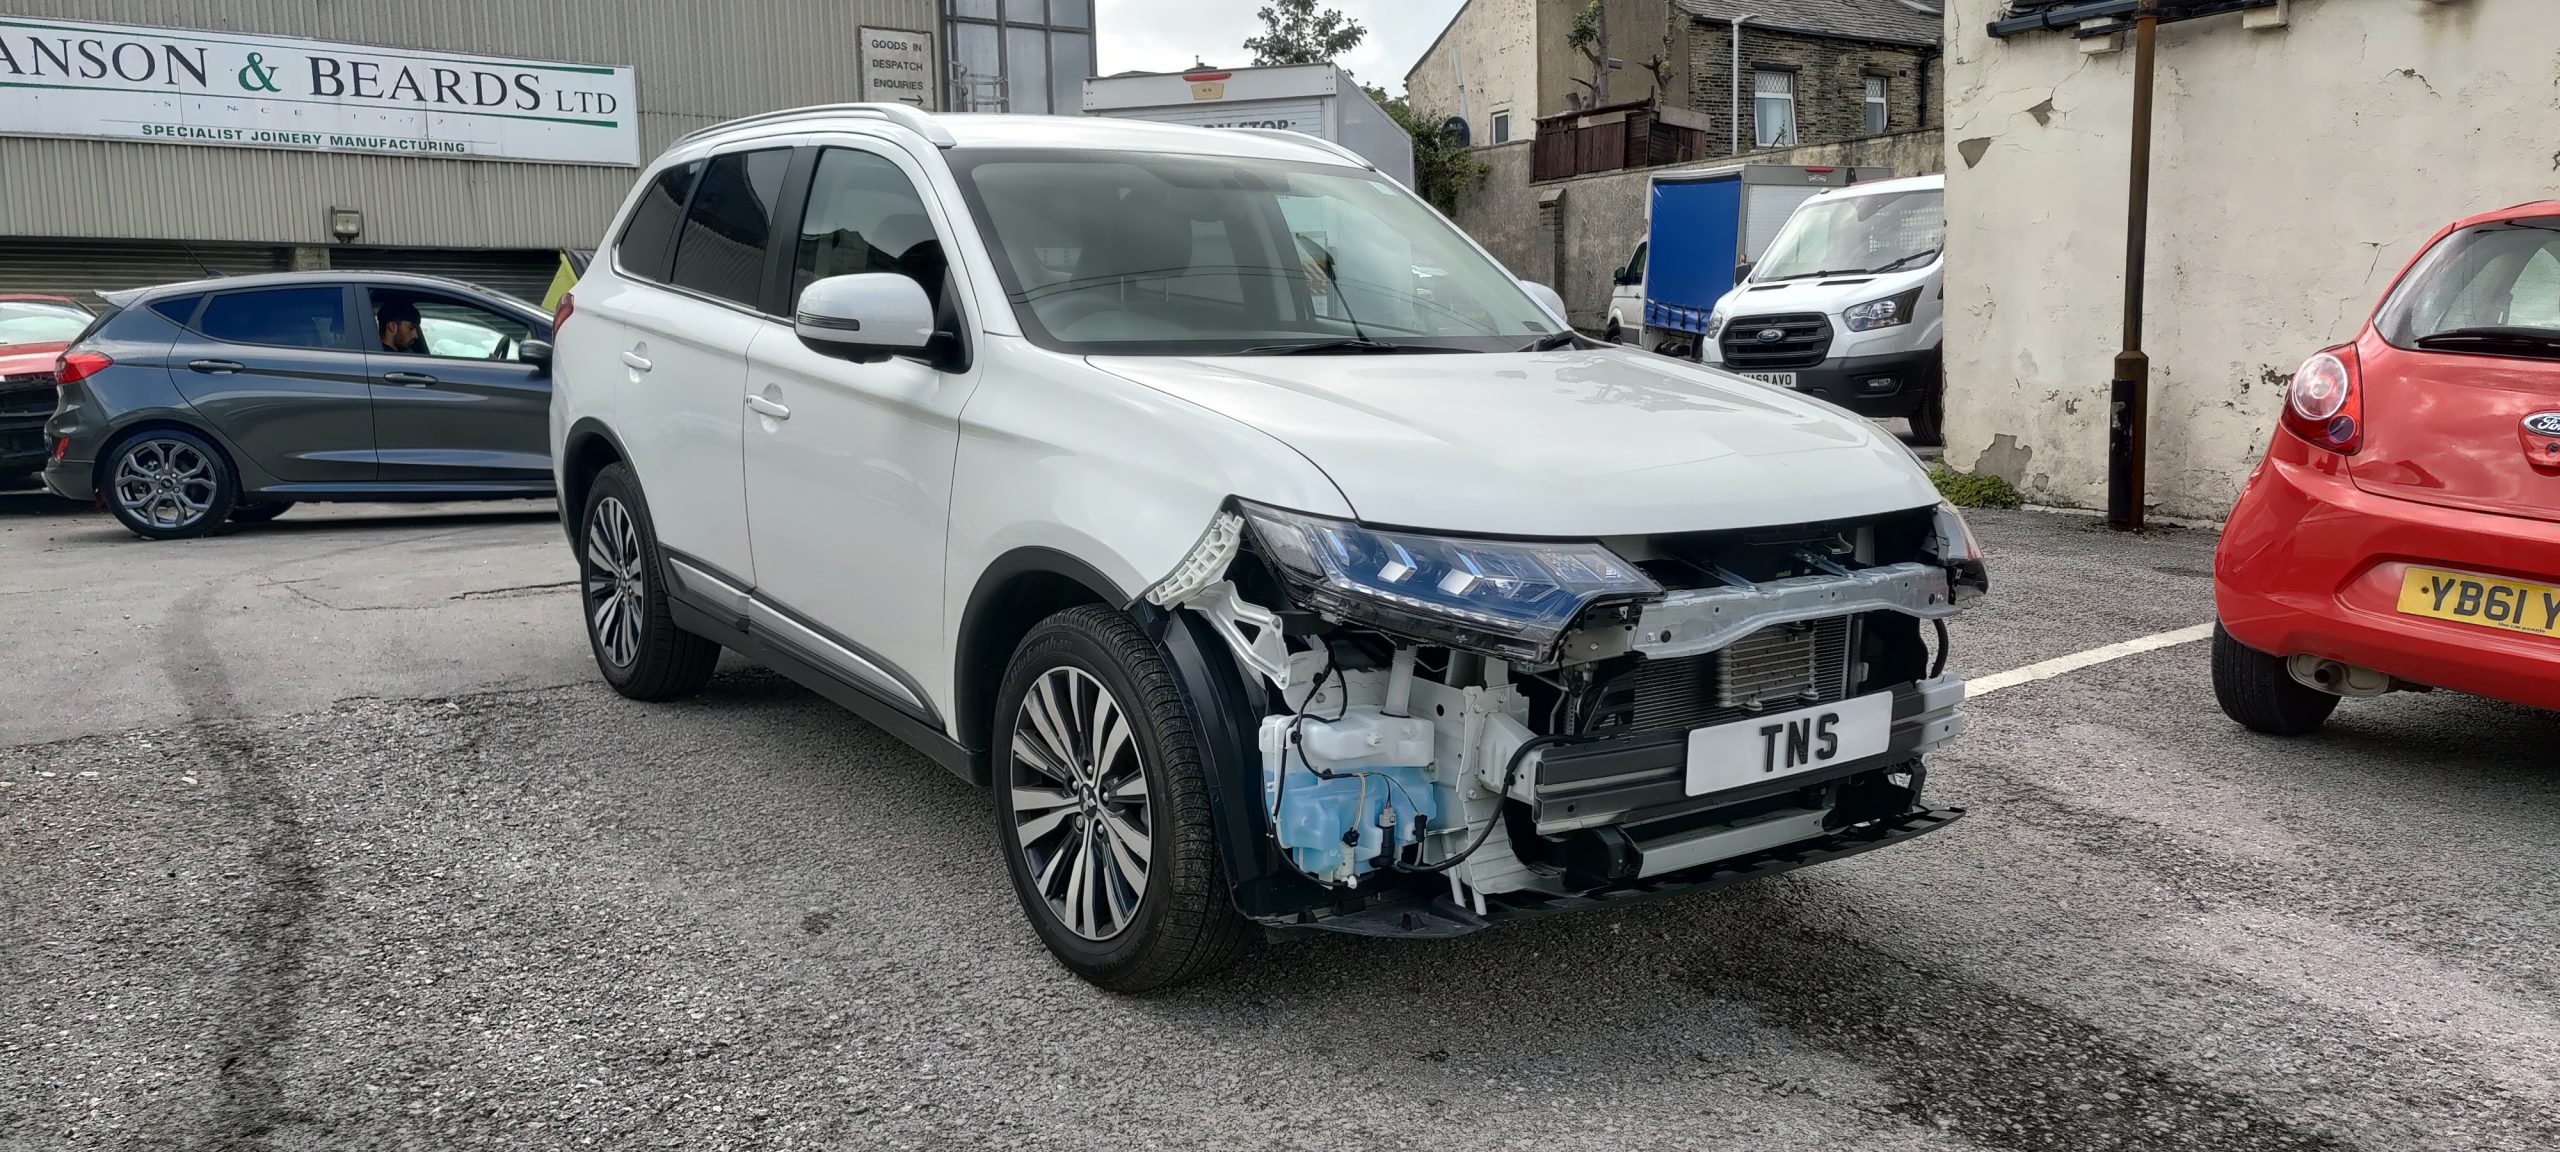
point(1226, 719)
point(573, 494)
point(974, 688)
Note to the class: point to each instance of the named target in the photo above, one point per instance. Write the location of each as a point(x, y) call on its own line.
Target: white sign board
point(1292, 115)
point(897, 67)
point(229, 89)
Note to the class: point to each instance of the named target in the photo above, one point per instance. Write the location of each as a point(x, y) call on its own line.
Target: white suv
point(1275, 556)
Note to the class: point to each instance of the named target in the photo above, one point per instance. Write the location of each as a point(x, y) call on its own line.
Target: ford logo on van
point(1773, 335)
point(2543, 423)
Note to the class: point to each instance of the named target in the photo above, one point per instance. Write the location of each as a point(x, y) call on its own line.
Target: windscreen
point(2491, 290)
point(1151, 254)
point(1857, 235)
point(39, 322)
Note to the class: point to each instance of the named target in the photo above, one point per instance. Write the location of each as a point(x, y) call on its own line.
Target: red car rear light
point(560, 315)
point(76, 366)
point(2323, 406)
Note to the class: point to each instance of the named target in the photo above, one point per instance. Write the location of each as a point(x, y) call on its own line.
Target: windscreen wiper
point(1554, 340)
point(1905, 262)
point(1814, 275)
point(2538, 343)
point(1350, 344)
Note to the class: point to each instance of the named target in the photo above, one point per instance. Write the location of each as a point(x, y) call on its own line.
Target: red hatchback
point(2404, 529)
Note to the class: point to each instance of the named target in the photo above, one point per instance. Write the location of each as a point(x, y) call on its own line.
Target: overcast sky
point(1167, 35)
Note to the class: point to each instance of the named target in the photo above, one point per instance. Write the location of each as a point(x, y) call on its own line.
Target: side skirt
point(733, 634)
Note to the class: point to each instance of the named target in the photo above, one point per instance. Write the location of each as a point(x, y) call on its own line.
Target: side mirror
point(1620, 276)
point(865, 318)
point(534, 352)
point(1546, 298)
point(1742, 272)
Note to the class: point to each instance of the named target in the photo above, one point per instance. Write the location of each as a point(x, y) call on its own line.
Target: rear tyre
point(260, 512)
point(623, 590)
point(2254, 689)
point(1102, 808)
point(168, 484)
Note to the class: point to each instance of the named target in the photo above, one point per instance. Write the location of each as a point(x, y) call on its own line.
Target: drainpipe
point(1734, 113)
point(2129, 395)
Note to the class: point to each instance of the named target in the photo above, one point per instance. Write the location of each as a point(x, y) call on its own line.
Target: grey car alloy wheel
point(1081, 810)
point(167, 484)
point(616, 586)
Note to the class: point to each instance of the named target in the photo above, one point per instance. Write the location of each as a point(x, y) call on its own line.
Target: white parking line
point(2048, 669)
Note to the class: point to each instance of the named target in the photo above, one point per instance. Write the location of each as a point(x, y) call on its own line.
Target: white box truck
point(1702, 225)
point(1317, 99)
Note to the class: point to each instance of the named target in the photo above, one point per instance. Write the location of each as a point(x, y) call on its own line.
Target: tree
point(1589, 35)
point(1294, 32)
point(1443, 169)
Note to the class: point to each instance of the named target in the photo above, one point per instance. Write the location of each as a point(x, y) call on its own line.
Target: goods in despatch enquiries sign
point(241, 90)
point(897, 66)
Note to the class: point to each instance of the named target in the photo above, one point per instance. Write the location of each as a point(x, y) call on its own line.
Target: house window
point(1501, 127)
point(1876, 112)
point(1019, 55)
point(1773, 109)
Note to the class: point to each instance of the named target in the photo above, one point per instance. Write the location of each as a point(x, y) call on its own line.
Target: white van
point(1846, 304)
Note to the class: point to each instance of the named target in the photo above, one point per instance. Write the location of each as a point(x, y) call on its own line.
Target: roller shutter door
point(79, 268)
point(521, 273)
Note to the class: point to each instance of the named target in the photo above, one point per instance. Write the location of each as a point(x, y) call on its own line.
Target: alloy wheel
point(168, 484)
point(1081, 811)
point(616, 585)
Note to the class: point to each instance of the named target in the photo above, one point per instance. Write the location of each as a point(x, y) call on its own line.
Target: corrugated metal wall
point(697, 64)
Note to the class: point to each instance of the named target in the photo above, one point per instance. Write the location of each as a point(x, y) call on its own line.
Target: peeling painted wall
point(2296, 170)
point(1485, 61)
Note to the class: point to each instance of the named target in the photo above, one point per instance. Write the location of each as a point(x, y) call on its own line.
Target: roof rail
point(1316, 142)
point(906, 116)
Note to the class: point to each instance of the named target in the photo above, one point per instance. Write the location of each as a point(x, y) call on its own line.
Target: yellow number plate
point(2510, 604)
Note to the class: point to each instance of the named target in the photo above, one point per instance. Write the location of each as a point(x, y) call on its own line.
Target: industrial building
point(143, 141)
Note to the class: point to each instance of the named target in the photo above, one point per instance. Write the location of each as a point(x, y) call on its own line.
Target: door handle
point(766, 407)
point(635, 361)
point(216, 367)
point(409, 379)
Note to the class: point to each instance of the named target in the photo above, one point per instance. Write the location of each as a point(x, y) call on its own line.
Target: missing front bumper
point(1439, 917)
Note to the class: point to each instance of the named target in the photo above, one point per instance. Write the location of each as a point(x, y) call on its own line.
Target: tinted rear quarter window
point(179, 309)
point(648, 243)
point(730, 226)
point(284, 317)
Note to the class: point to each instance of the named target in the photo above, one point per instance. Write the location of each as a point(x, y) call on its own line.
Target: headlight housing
point(1952, 546)
point(1508, 598)
point(1715, 322)
point(1890, 312)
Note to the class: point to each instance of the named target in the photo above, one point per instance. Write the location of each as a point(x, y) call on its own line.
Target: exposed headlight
point(1507, 598)
point(1715, 322)
point(1890, 312)
point(1952, 545)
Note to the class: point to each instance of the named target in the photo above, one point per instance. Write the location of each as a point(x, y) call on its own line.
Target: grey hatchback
point(233, 399)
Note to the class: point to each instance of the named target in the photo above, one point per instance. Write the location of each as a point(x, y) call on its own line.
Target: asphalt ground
point(323, 835)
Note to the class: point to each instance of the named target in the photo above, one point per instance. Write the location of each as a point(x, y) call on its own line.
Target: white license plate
point(1785, 743)
point(1781, 379)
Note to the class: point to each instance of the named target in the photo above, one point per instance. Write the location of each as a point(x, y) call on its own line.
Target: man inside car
point(397, 322)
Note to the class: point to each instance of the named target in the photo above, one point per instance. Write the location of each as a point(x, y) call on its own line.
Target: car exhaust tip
point(2339, 679)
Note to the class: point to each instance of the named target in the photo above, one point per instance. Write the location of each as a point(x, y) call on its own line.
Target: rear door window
point(729, 229)
point(648, 241)
point(312, 317)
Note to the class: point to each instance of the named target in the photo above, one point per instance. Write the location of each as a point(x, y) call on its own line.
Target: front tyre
point(1929, 420)
point(169, 484)
point(1102, 808)
point(623, 591)
point(2255, 689)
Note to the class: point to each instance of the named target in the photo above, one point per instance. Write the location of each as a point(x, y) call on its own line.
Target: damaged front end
point(1445, 731)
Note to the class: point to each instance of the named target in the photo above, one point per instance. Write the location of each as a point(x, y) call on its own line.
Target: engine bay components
point(1476, 724)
